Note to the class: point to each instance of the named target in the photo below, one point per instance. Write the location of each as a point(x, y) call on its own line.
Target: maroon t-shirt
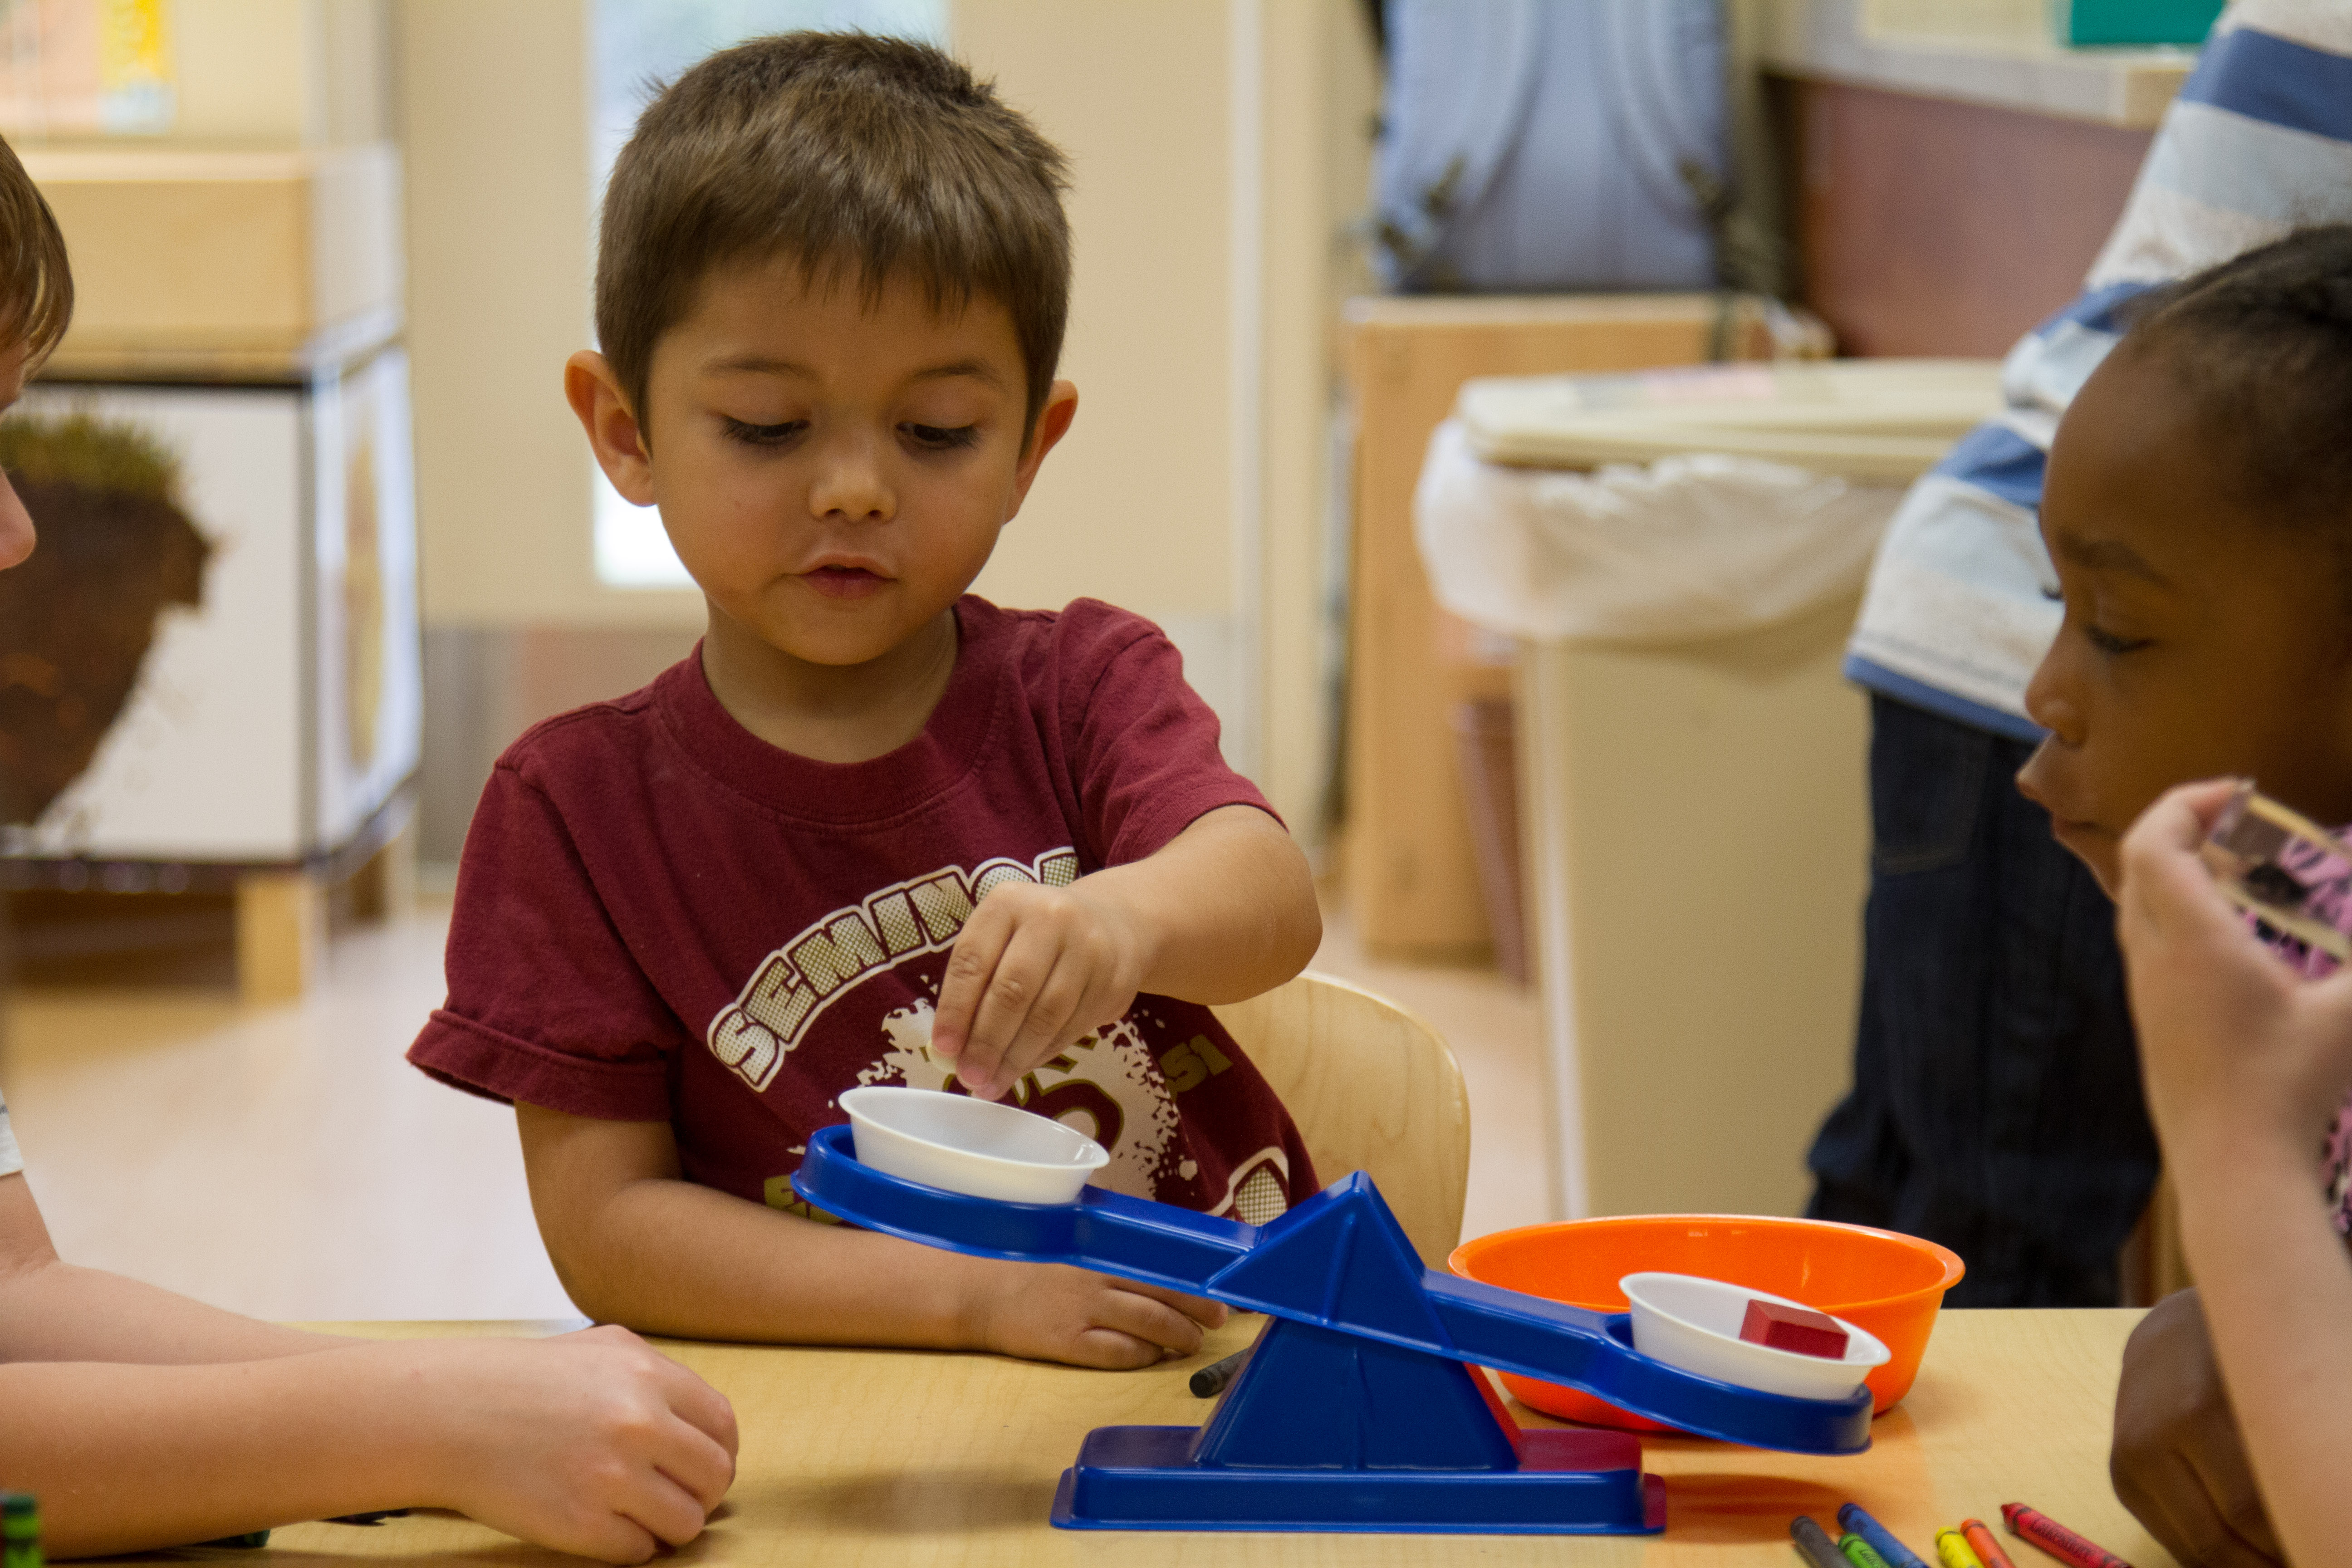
point(661, 917)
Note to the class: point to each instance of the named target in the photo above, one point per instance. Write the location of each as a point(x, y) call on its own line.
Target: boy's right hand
point(1050, 1311)
point(2178, 1463)
point(590, 1442)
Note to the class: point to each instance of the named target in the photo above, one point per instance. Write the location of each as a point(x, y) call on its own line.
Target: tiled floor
point(286, 1162)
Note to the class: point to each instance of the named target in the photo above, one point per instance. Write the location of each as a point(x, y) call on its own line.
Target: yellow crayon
point(1953, 1548)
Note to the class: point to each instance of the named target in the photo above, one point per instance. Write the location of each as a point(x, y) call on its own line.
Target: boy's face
point(16, 524)
point(2199, 641)
point(832, 469)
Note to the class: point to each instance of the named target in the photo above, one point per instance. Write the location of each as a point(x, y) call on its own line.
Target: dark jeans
point(1996, 1104)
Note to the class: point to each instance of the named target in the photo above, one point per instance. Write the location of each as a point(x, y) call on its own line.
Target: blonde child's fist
point(1049, 1311)
point(590, 1442)
point(1034, 970)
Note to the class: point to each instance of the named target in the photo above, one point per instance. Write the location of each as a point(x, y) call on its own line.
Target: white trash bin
point(1681, 555)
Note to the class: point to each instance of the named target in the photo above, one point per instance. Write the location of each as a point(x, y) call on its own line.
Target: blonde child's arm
point(635, 1244)
point(52, 1310)
point(2246, 1065)
point(590, 1442)
point(1223, 911)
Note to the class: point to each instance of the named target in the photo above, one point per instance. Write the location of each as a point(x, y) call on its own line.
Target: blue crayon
point(1897, 1555)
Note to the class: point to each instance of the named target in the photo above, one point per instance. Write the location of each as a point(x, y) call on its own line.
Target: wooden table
point(875, 1457)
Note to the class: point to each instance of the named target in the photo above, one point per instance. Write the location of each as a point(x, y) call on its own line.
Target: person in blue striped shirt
point(1996, 1105)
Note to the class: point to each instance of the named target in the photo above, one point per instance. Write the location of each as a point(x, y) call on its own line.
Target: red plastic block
point(1793, 1328)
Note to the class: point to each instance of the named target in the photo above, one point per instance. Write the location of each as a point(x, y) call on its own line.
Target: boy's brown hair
point(36, 294)
point(867, 159)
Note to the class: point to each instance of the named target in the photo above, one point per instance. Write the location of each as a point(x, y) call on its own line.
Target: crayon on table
point(20, 1531)
point(1952, 1550)
point(1882, 1540)
point(2056, 1538)
point(1860, 1553)
point(1211, 1380)
point(1814, 1545)
point(1981, 1542)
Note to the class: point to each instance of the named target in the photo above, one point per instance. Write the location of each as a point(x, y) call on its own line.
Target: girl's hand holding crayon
point(2241, 1055)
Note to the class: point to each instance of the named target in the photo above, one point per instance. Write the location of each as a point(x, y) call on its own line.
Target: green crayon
point(1860, 1553)
point(20, 1531)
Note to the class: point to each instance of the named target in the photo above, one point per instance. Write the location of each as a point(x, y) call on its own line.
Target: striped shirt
point(1959, 608)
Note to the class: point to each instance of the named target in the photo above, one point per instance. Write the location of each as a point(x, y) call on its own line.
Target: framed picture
point(212, 657)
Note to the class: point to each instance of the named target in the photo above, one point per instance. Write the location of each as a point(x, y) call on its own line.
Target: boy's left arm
point(1223, 911)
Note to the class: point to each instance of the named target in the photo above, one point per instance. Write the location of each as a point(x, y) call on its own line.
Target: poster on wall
point(212, 655)
point(82, 68)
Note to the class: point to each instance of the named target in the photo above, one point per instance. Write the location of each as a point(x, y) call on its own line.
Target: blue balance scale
point(1355, 1411)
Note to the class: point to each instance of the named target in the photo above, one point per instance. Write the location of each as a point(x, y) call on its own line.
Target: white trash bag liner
point(1690, 546)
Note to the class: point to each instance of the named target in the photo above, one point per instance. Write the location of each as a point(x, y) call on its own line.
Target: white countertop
point(1995, 53)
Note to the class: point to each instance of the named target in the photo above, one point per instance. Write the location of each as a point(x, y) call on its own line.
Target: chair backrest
point(1373, 1088)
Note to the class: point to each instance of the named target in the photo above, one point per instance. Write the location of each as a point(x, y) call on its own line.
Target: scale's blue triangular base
point(1330, 1431)
point(1356, 1412)
point(1340, 1257)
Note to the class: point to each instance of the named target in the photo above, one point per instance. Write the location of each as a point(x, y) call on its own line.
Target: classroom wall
point(494, 121)
point(1219, 153)
point(1137, 505)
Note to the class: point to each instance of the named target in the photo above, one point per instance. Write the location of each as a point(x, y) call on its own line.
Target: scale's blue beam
point(1156, 1243)
point(1339, 1260)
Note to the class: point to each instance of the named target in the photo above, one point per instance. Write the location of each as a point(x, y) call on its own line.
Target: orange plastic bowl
point(1891, 1285)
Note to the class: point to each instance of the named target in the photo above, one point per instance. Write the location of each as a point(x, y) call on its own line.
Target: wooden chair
point(1372, 1088)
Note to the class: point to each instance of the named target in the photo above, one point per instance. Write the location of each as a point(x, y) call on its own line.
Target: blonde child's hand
point(592, 1442)
point(2235, 1045)
point(1048, 1311)
point(1034, 970)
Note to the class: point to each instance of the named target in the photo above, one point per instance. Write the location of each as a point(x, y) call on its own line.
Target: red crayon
point(2056, 1538)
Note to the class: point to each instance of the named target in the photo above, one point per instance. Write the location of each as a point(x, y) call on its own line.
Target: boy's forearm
point(665, 1256)
point(125, 1457)
point(1231, 906)
point(2277, 1288)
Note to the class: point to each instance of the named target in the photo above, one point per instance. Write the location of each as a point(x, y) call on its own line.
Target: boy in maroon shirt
point(877, 830)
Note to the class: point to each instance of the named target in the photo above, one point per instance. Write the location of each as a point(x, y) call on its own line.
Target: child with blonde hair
point(138, 1419)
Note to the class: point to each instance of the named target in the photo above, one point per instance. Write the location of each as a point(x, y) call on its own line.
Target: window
point(635, 46)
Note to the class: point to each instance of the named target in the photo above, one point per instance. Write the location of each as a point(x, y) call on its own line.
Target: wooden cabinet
point(231, 695)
